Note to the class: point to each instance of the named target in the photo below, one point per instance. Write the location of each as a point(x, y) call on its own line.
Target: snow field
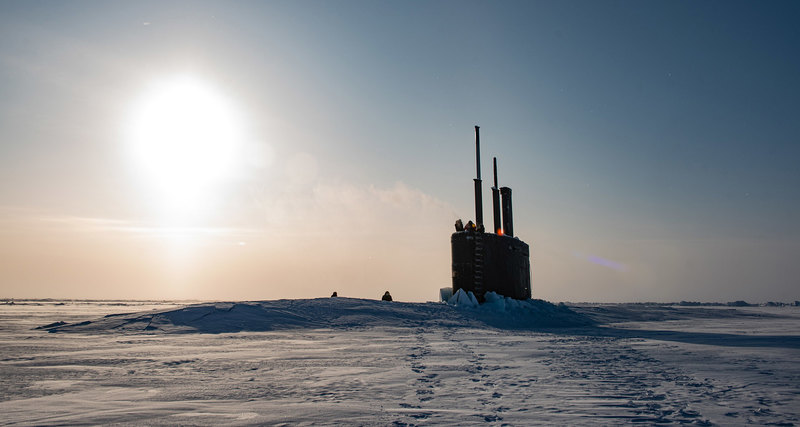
point(376, 363)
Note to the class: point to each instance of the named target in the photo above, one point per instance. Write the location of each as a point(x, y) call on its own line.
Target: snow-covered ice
point(355, 361)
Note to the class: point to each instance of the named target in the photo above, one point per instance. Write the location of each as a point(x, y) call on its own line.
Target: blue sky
point(657, 135)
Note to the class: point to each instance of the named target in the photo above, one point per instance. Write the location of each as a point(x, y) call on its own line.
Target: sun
point(184, 138)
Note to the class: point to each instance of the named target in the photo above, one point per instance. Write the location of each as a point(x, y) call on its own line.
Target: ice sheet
point(391, 363)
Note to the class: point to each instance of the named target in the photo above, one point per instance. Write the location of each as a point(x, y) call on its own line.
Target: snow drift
point(224, 317)
point(508, 313)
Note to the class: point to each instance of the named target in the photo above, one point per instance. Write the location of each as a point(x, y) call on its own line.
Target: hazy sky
point(652, 146)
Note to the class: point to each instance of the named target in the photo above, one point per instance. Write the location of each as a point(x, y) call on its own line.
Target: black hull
point(486, 262)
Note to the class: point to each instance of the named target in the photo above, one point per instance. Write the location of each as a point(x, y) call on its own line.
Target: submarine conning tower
point(490, 262)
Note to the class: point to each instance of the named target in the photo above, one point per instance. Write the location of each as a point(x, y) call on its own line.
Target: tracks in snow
point(502, 377)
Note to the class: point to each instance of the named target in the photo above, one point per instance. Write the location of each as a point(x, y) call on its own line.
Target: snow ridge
point(508, 313)
point(225, 317)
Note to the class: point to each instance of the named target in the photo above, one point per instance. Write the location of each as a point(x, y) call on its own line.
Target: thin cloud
point(12, 218)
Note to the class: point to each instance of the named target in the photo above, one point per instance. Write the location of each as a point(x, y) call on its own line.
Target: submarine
point(494, 261)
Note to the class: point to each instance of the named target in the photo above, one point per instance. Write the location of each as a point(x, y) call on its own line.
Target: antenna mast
point(498, 227)
point(478, 195)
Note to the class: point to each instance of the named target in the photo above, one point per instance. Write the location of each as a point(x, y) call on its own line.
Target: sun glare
point(185, 138)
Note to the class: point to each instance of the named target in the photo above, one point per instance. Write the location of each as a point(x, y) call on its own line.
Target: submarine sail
point(490, 262)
